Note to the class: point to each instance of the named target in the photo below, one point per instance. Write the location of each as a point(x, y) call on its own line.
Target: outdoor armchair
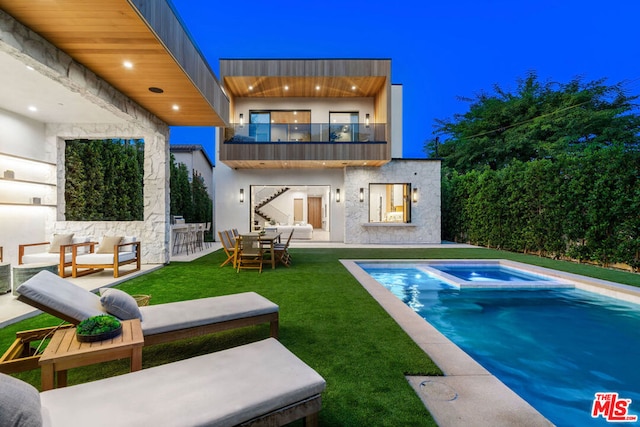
point(112, 253)
point(57, 251)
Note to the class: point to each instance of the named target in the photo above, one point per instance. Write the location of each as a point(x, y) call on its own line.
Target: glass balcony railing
point(337, 133)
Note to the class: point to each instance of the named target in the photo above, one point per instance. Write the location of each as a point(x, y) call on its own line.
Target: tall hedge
point(104, 180)
point(585, 206)
point(189, 199)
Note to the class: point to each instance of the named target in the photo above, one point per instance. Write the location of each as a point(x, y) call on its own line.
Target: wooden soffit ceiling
point(316, 87)
point(103, 35)
point(307, 78)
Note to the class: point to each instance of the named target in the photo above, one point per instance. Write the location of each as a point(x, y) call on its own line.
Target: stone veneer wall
point(154, 230)
point(425, 213)
point(22, 43)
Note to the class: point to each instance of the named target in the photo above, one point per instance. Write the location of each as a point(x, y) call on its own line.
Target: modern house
point(317, 143)
point(325, 136)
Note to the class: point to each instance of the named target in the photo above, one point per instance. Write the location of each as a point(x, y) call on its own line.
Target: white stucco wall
point(396, 119)
point(319, 107)
point(230, 213)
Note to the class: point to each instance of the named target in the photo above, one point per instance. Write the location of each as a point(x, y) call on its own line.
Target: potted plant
point(98, 328)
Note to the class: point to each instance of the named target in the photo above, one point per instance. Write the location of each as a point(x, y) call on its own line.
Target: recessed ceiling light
point(175, 107)
point(155, 89)
point(32, 108)
point(318, 87)
point(353, 87)
point(295, 112)
point(286, 88)
point(250, 87)
point(127, 64)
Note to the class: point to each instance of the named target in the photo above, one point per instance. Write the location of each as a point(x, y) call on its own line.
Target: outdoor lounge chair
point(58, 250)
point(161, 322)
point(261, 383)
point(112, 253)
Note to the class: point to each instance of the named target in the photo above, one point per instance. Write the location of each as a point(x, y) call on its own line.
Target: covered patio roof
point(139, 47)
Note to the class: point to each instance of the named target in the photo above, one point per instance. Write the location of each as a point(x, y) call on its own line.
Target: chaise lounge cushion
point(225, 388)
point(171, 316)
point(50, 290)
point(19, 403)
point(120, 304)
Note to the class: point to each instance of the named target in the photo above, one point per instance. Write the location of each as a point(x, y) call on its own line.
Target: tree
point(537, 121)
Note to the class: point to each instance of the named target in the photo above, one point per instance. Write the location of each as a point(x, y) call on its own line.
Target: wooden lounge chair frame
point(62, 264)
point(170, 336)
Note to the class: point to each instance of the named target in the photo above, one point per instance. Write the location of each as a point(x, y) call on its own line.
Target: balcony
point(294, 145)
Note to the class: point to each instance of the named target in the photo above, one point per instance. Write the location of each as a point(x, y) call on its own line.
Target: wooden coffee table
point(64, 352)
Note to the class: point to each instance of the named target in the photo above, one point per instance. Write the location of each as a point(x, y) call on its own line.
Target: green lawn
point(326, 318)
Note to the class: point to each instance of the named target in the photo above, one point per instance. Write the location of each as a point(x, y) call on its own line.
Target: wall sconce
point(338, 195)
point(241, 119)
point(414, 195)
point(366, 120)
point(361, 194)
point(242, 195)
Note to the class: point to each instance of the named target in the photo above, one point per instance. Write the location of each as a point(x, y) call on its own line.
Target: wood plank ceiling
point(102, 35)
point(311, 86)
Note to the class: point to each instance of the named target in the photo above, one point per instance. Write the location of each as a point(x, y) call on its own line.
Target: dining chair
point(229, 248)
point(249, 252)
point(281, 251)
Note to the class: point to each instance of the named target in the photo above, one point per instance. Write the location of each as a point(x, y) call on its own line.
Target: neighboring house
point(65, 79)
point(319, 142)
point(197, 161)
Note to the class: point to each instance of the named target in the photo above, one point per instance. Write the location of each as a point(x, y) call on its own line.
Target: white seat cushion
point(225, 388)
point(44, 258)
point(179, 315)
point(93, 259)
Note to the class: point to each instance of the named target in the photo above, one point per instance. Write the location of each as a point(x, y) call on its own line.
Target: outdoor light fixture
point(241, 119)
point(414, 195)
point(242, 195)
point(361, 194)
point(338, 195)
point(366, 120)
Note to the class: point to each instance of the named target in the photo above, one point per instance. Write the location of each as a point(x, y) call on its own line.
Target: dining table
point(268, 241)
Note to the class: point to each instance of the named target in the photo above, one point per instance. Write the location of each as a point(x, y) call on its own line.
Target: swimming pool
point(554, 346)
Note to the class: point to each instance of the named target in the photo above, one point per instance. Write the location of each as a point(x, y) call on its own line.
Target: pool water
point(556, 348)
point(484, 273)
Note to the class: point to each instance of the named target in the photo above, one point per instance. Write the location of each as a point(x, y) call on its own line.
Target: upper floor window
point(280, 125)
point(343, 126)
point(390, 203)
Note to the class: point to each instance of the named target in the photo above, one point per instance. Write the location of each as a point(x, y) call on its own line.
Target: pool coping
point(468, 394)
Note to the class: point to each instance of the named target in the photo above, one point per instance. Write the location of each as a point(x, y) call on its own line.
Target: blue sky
point(440, 51)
